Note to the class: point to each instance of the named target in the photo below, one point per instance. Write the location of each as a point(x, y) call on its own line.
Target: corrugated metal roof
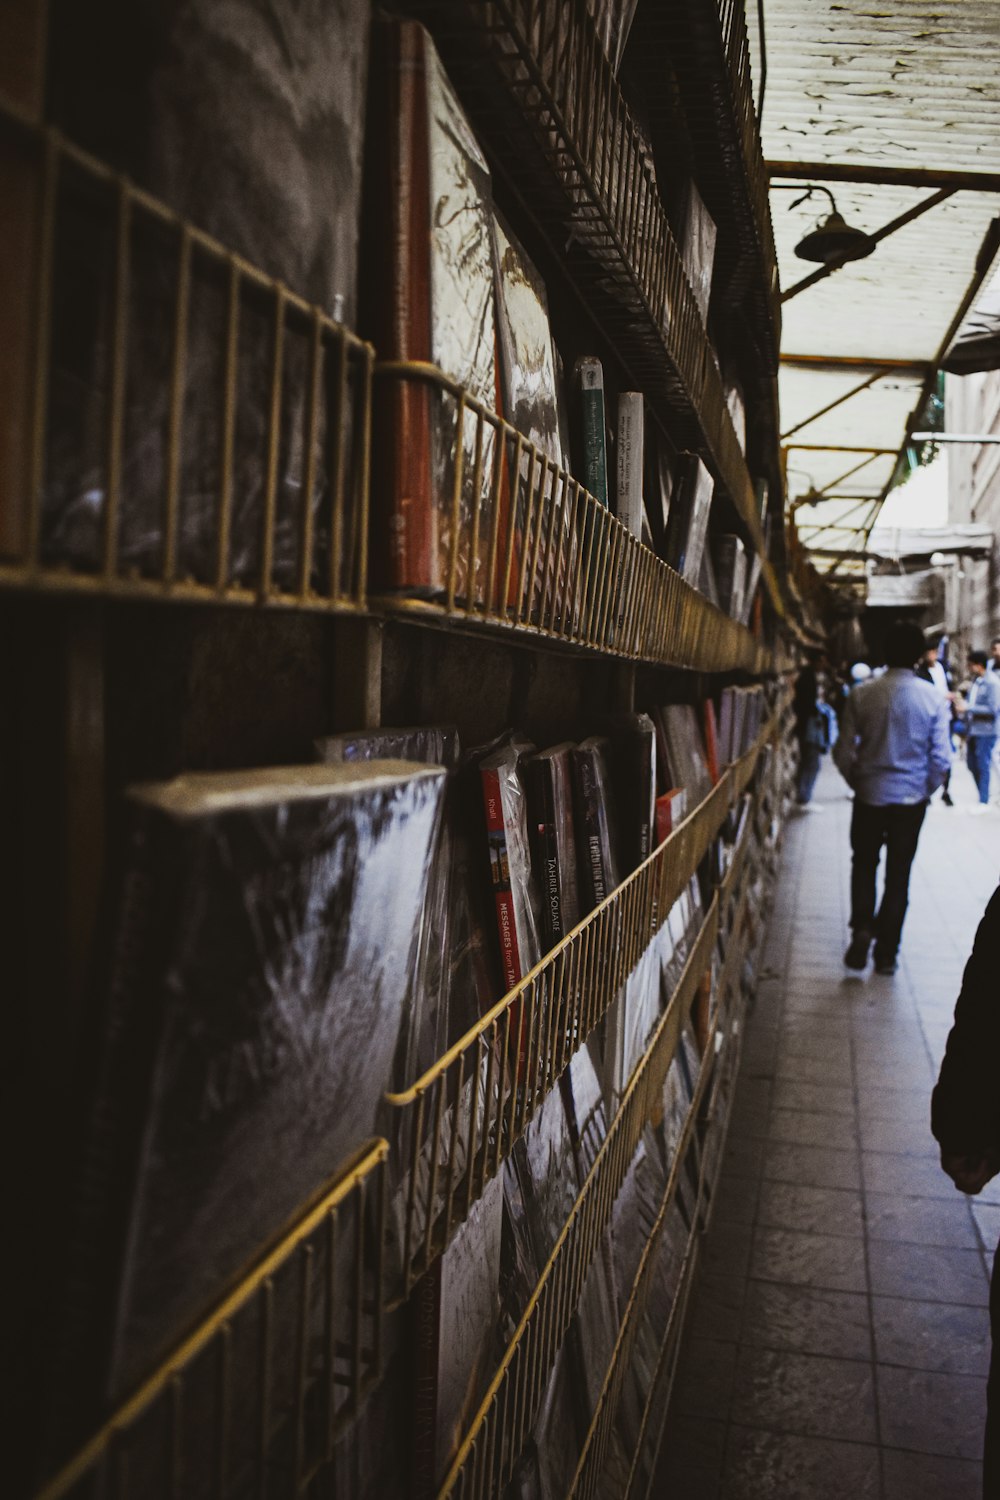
point(909, 84)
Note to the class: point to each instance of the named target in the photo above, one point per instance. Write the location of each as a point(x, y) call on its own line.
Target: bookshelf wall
point(209, 650)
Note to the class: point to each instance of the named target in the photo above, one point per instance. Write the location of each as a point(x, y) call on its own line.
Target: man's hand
point(970, 1174)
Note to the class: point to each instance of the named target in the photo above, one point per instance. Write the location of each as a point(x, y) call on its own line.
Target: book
point(711, 739)
point(548, 783)
point(509, 852)
point(730, 559)
point(633, 764)
point(697, 247)
point(430, 297)
point(531, 401)
point(596, 834)
point(251, 127)
point(671, 810)
point(435, 1005)
point(686, 750)
point(628, 505)
point(593, 440)
point(688, 520)
point(255, 991)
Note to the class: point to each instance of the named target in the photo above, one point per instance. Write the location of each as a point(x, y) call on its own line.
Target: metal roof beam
point(842, 171)
point(854, 362)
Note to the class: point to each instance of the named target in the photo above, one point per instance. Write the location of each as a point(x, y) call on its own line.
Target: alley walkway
point(838, 1337)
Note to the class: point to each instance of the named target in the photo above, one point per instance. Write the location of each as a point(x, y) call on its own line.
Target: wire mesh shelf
point(459, 1122)
point(255, 1400)
point(530, 550)
point(547, 105)
point(486, 1458)
point(179, 424)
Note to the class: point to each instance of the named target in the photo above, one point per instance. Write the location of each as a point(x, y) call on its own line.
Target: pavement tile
point(932, 1336)
point(814, 1166)
point(914, 1176)
point(835, 1263)
point(808, 1320)
point(807, 1128)
point(927, 1273)
point(704, 1381)
point(811, 1210)
point(920, 1221)
point(820, 1097)
point(919, 1476)
point(807, 1394)
point(931, 1413)
point(773, 1466)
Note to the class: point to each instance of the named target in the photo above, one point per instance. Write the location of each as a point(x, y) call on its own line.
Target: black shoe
point(884, 963)
point(946, 799)
point(856, 956)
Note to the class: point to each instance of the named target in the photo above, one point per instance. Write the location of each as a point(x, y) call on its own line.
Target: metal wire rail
point(140, 331)
point(551, 560)
point(587, 1480)
point(546, 103)
point(485, 1460)
point(256, 1398)
point(458, 1123)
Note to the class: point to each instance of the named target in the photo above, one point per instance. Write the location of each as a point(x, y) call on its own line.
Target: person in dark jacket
point(965, 1119)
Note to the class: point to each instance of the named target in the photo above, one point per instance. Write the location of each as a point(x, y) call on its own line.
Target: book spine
point(405, 535)
point(595, 458)
point(630, 460)
point(590, 794)
point(503, 897)
point(542, 813)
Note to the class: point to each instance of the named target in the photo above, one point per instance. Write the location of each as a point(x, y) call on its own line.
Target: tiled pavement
point(838, 1337)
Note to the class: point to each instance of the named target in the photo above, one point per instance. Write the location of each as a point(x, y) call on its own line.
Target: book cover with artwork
point(249, 122)
point(256, 986)
point(686, 750)
point(531, 401)
point(430, 298)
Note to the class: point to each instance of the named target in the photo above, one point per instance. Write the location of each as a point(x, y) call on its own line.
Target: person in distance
point(982, 713)
point(893, 752)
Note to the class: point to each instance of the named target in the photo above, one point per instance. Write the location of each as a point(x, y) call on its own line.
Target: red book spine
point(510, 954)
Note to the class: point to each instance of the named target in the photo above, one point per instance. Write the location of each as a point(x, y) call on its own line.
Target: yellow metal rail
point(485, 1460)
point(256, 1398)
point(547, 103)
point(552, 561)
point(180, 333)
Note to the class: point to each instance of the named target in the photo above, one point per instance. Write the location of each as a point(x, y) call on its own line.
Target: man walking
point(893, 752)
point(981, 716)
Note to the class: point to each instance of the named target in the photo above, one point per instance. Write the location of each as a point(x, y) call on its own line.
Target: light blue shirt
point(984, 705)
point(894, 746)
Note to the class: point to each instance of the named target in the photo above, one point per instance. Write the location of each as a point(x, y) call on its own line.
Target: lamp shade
point(834, 239)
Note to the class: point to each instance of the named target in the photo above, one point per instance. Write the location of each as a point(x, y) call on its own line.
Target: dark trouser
point(991, 1446)
point(809, 761)
point(898, 828)
point(979, 754)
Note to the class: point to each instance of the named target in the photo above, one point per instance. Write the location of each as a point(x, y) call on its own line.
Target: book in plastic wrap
point(250, 125)
point(430, 298)
point(548, 783)
point(531, 399)
point(257, 983)
point(686, 750)
point(730, 558)
point(596, 831)
point(697, 247)
point(461, 1336)
point(688, 520)
point(509, 851)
